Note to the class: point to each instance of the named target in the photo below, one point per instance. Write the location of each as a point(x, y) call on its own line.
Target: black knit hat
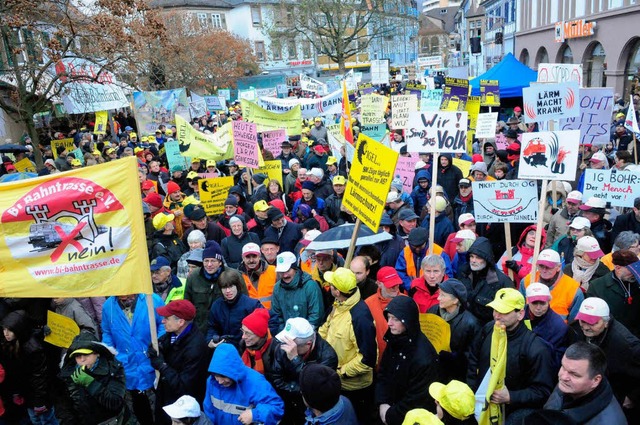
point(320, 386)
point(274, 214)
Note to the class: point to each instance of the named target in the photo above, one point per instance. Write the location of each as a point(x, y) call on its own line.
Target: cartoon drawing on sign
point(549, 154)
point(535, 154)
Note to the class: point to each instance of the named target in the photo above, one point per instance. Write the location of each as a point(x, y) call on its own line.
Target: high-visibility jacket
point(566, 295)
point(266, 282)
point(414, 270)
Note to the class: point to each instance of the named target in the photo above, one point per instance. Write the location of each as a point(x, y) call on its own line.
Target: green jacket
point(299, 298)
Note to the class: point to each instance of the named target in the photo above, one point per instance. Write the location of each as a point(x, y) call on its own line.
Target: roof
point(511, 74)
point(448, 18)
point(218, 4)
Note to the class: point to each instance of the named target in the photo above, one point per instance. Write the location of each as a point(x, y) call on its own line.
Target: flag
point(345, 119)
point(195, 144)
point(74, 234)
point(630, 122)
point(493, 414)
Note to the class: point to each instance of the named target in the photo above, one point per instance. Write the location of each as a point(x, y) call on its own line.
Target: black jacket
point(449, 177)
point(323, 189)
point(213, 232)
point(601, 230)
point(483, 284)
point(408, 366)
point(168, 246)
point(290, 236)
point(624, 222)
point(232, 246)
point(332, 212)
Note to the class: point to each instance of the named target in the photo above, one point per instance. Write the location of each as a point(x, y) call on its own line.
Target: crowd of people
point(255, 327)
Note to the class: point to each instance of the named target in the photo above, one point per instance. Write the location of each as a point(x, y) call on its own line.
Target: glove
point(18, 400)
point(81, 377)
point(46, 330)
point(40, 410)
point(513, 265)
point(155, 358)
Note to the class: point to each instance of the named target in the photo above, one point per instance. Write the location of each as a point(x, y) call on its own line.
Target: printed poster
point(272, 169)
point(489, 93)
point(154, 108)
point(213, 193)
point(551, 155)
point(545, 102)
point(455, 94)
point(486, 125)
point(100, 125)
point(505, 201)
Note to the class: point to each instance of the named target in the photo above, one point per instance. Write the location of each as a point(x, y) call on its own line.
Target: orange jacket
point(266, 282)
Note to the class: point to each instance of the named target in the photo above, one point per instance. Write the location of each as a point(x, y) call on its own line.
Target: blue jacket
point(552, 328)
point(420, 195)
point(319, 206)
point(444, 228)
point(225, 318)
point(288, 239)
point(132, 339)
point(223, 405)
point(340, 414)
point(401, 266)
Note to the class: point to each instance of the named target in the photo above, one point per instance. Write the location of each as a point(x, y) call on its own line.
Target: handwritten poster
point(272, 140)
point(594, 119)
point(544, 102)
point(620, 188)
point(401, 107)
point(437, 132)
point(486, 125)
point(245, 144)
point(505, 201)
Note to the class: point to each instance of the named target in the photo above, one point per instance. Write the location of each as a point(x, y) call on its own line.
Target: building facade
point(470, 32)
point(500, 30)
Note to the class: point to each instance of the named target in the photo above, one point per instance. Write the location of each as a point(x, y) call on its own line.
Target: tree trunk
point(35, 138)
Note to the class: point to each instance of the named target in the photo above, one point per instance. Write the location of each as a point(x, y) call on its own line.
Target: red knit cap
point(153, 199)
point(258, 322)
point(172, 187)
point(476, 158)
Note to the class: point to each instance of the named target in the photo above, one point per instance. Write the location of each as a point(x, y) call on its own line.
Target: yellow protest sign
point(63, 330)
point(24, 165)
point(464, 166)
point(437, 331)
point(100, 126)
point(67, 143)
point(200, 145)
point(74, 234)
point(213, 193)
point(267, 120)
point(370, 177)
point(273, 170)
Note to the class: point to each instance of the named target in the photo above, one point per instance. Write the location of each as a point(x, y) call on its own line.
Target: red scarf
point(253, 358)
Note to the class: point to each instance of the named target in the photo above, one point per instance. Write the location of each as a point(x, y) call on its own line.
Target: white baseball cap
point(284, 261)
point(312, 234)
point(296, 327)
point(593, 203)
point(598, 157)
point(250, 248)
point(462, 235)
point(574, 197)
point(466, 218)
point(590, 246)
point(538, 292)
point(184, 407)
point(393, 196)
point(549, 258)
point(317, 172)
point(580, 223)
point(592, 310)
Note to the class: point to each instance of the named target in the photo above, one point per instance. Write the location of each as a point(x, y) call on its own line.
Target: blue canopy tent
point(512, 75)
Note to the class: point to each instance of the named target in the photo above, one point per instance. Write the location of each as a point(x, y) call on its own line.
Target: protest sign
point(402, 106)
point(215, 103)
point(505, 201)
point(63, 330)
point(463, 165)
point(372, 108)
point(620, 188)
point(380, 72)
point(430, 100)
point(25, 165)
point(272, 140)
point(245, 144)
point(472, 108)
point(74, 234)
point(266, 120)
point(366, 88)
point(174, 158)
point(437, 132)
point(213, 193)
point(551, 155)
point(249, 95)
point(489, 93)
point(486, 125)
point(270, 91)
point(376, 132)
point(560, 73)
point(226, 93)
point(437, 331)
point(312, 85)
point(544, 102)
point(67, 143)
point(79, 154)
point(405, 171)
point(455, 94)
point(272, 169)
point(415, 89)
point(594, 119)
point(154, 108)
point(195, 144)
point(197, 106)
point(370, 177)
point(100, 125)
point(310, 108)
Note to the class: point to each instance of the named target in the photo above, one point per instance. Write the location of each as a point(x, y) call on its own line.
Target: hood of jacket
point(523, 237)
point(18, 323)
point(423, 174)
point(88, 340)
point(491, 142)
point(482, 248)
point(240, 192)
point(406, 310)
point(450, 157)
point(227, 362)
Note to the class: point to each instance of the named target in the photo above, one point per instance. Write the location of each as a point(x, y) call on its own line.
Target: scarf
point(467, 198)
point(583, 271)
point(449, 316)
point(253, 358)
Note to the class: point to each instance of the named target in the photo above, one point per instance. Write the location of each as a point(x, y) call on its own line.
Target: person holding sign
point(409, 364)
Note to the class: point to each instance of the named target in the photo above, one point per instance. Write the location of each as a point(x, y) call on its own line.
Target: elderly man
point(333, 202)
point(559, 223)
point(165, 283)
point(594, 210)
point(287, 234)
point(259, 276)
point(409, 261)
point(323, 187)
point(425, 289)
point(624, 240)
point(628, 221)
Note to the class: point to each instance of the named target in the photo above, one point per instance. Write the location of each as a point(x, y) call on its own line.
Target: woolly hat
point(257, 322)
point(623, 257)
point(212, 250)
point(231, 200)
point(153, 199)
point(456, 288)
point(320, 386)
point(259, 178)
point(172, 187)
point(274, 214)
point(308, 185)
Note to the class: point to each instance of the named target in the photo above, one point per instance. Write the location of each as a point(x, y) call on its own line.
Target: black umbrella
point(12, 148)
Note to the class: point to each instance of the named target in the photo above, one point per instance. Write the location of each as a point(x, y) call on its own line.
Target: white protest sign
point(544, 102)
point(372, 108)
point(505, 201)
point(215, 103)
point(312, 85)
point(272, 140)
point(594, 120)
point(249, 95)
point(327, 105)
point(560, 73)
point(379, 72)
point(486, 125)
point(270, 91)
point(401, 107)
point(226, 93)
point(620, 188)
point(197, 106)
point(551, 155)
point(441, 131)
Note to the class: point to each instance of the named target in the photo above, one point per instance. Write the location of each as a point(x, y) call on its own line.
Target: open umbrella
point(12, 147)
point(340, 237)
point(17, 176)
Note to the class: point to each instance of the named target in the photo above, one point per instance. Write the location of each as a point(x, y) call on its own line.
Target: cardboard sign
point(245, 144)
point(401, 107)
point(63, 330)
point(67, 143)
point(437, 132)
point(430, 100)
point(174, 158)
point(505, 201)
point(272, 169)
point(560, 73)
point(619, 188)
point(437, 330)
point(372, 109)
point(370, 177)
point(405, 171)
point(544, 102)
point(486, 125)
point(594, 120)
point(100, 126)
point(489, 93)
point(213, 193)
point(25, 165)
point(272, 140)
point(376, 132)
point(551, 155)
point(455, 94)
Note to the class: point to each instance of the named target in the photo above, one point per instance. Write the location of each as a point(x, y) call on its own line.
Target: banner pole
point(352, 244)
point(432, 204)
point(635, 150)
point(536, 248)
point(507, 236)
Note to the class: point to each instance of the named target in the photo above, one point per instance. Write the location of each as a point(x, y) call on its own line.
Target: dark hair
point(499, 165)
point(636, 203)
point(624, 156)
point(230, 278)
point(370, 251)
point(592, 353)
point(187, 421)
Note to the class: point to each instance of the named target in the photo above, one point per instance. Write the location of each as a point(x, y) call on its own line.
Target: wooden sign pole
point(539, 224)
point(352, 244)
point(432, 201)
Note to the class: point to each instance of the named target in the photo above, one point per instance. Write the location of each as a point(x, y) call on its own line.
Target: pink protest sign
point(272, 140)
point(405, 170)
point(245, 144)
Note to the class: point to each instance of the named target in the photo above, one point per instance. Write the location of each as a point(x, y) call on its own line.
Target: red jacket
point(421, 294)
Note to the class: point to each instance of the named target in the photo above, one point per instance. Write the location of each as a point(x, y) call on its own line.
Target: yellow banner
point(67, 143)
point(463, 165)
point(370, 177)
point(100, 126)
point(494, 413)
point(273, 170)
point(75, 234)
point(63, 330)
point(206, 146)
point(437, 330)
point(25, 165)
point(267, 120)
point(213, 193)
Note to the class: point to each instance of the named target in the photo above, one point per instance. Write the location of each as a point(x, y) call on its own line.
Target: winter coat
point(377, 303)
point(351, 332)
point(213, 232)
point(561, 196)
point(391, 250)
point(624, 222)
point(566, 295)
point(449, 177)
point(225, 317)
point(419, 194)
point(601, 270)
point(340, 414)
point(522, 254)
point(260, 193)
point(169, 246)
point(599, 407)
point(299, 298)
point(461, 207)
point(131, 339)
point(553, 329)
point(250, 390)
point(287, 238)
point(420, 293)
point(332, 212)
point(530, 371)
point(316, 203)
point(444, 227)
point(482, 285)
point(409, 365)
point(324, 189)
point(609, 288)
point(565, 247)
point(232, 247)
point(558, 226)
point(72, 309)
point(601, 230)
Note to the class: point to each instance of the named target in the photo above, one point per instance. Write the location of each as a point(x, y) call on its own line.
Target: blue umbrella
point(340, 237)
point(17, 176)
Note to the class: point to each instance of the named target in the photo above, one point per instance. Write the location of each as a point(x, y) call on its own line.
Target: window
point(218, 20)
point(276, 50)
point(259, 48)
point(202, 20)
point(292, 53)
point(306, 49)
point(256, 15)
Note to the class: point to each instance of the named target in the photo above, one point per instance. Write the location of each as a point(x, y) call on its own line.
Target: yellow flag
point(493, 414)
point(200, 145)
point(100, 126)
point(74, 234)
point(267, 120)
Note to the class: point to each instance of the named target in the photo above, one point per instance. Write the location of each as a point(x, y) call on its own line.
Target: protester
point(454, 402)
point(320, 387)
point(186, 411)
point(545, 322)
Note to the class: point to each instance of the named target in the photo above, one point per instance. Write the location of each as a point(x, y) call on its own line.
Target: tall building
point(500, 30)
point(429, 5)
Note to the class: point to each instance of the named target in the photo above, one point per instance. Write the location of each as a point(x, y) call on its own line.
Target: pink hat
point(538, 292)
point(592, 310)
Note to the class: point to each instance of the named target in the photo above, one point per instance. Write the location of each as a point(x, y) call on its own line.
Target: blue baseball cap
point(158, 263)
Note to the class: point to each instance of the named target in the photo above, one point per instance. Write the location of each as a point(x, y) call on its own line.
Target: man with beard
point(259, 276)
